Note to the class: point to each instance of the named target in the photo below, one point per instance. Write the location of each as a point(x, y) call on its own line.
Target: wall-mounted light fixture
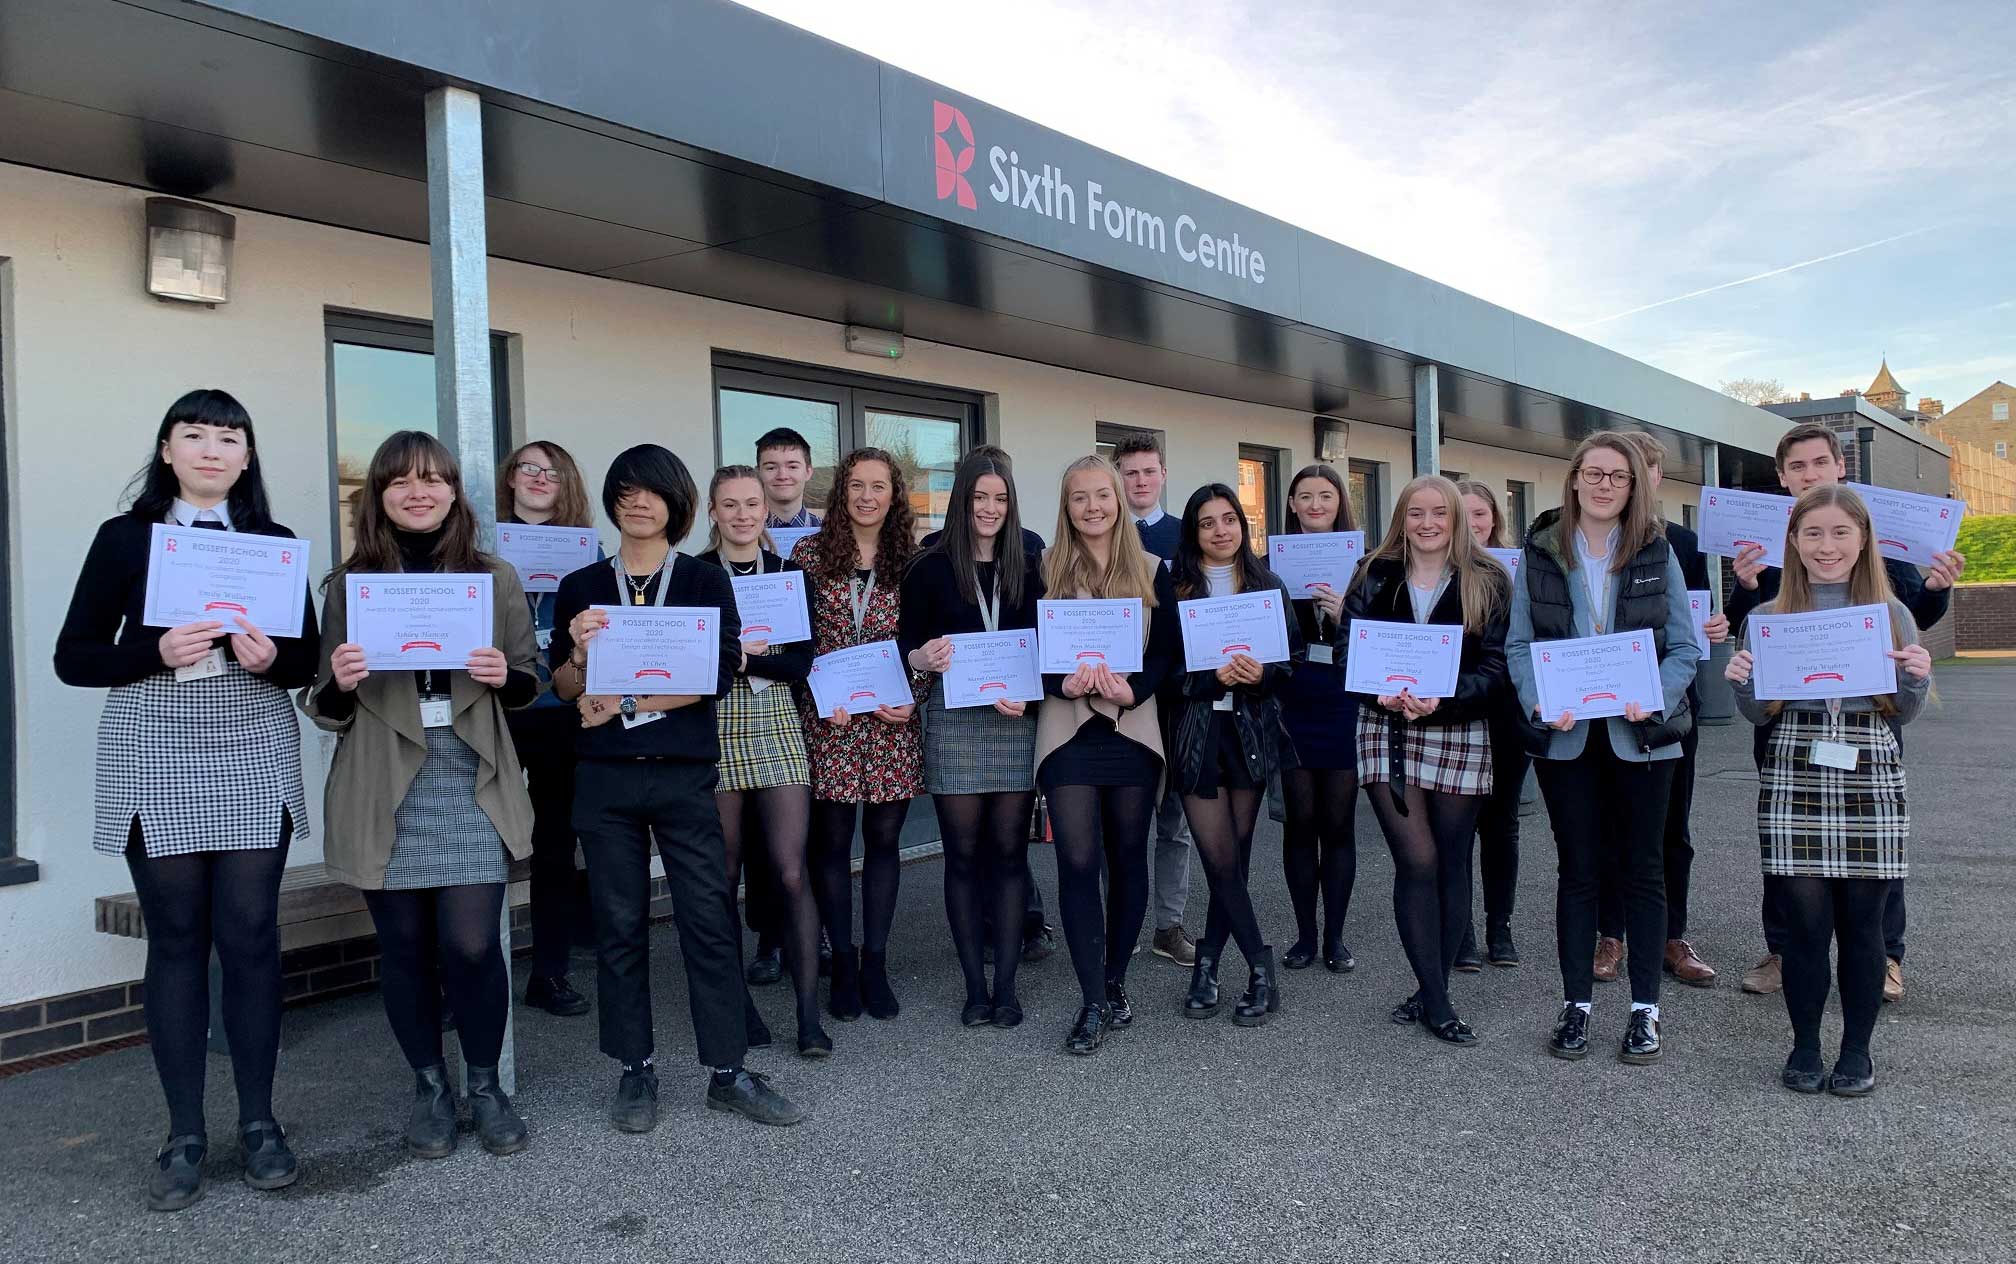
point(188, 251)
point(1333, 439)
point(880, 343)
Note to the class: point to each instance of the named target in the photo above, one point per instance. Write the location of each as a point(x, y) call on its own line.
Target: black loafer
point(976, 1014)
point(1571, 1034)
point(1803, 1075)
point(555, 995)
point(1453, 1032)
point(636, 1106)
point(1406, 1013)
point(765, 968)
point(1119, 1012)
point(1337, 959)
point(1007, 1014)
point(1641, 1039)
point(177, 1179)
point(749, 1095)
point(1300, 956)
point(1852, 1076)
point(269, 1164)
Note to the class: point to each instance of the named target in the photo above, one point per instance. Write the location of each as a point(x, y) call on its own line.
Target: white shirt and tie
point(184, 514)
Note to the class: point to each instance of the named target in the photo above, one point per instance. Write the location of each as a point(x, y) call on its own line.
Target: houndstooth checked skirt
point(441, 836)
point(977, 750)
point(1449, 758)
point(207, 765)
point(1815, 822)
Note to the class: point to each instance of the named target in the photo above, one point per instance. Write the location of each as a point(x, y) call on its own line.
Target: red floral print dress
point(868, 761)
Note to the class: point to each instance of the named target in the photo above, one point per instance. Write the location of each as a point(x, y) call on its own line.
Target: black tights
point(1431, 882)
point(438, 938)
point(881, 867)
point(986, 845)
point(1850, 912)
point(1222, 828)
point(1319, 843)
point(1101, 830)
point(223, 899)
point(782, 819)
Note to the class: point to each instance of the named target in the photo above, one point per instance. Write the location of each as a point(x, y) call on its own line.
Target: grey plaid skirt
point(762, 740)
point(977, 750)
point(1450, 758)
point(1815, 822)
point(441, 837)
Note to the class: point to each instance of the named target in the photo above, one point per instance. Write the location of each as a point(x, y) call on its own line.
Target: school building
point(608, 222)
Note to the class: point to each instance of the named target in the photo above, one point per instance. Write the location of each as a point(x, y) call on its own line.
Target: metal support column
point(1427, 421)
point(1711, 476)
point(459, 257)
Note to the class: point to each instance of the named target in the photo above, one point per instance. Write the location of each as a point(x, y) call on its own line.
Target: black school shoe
point(1467, 960)
point(748, 1094)
point(1089, 1032)
point(1119, 1011)
point(765, 968)
point(636, 1106)
point(555, 995)
point(1641, 1039)
point(1802, 1073)
point(177, 1179)
point(1854, 1075)
point(269, 1164)
point(1571, 1034)
point(1498, 948)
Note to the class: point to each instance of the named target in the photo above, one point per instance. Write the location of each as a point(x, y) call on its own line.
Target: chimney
point(1931, 407)
point(1805, 397)
point(1850, 393)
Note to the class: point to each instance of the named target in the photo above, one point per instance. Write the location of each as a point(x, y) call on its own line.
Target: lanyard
point(990, 607)
point(637, 598)
point(858, 597)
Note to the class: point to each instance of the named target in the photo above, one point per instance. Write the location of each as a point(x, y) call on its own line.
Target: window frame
point(1519, 508)
point(15, 869)
point(1374, 473)
point(1272, 498)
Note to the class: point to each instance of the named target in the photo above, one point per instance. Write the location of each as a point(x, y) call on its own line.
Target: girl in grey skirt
point(979, 761)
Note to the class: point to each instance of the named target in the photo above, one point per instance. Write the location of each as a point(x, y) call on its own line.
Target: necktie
point(207, 524)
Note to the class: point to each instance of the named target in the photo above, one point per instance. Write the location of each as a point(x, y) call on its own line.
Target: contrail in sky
point(1730, 285)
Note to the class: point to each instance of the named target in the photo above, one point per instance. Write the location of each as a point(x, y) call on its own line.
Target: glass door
point(926, 447)
point(750, 406)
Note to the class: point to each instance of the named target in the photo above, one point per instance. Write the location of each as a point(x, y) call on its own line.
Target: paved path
point(1329, 1135)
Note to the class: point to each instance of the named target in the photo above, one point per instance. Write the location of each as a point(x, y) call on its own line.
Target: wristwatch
point(628, 706)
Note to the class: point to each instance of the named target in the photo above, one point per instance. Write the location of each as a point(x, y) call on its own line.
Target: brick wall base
point(1984, 616)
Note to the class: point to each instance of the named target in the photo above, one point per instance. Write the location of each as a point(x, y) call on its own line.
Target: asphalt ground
point(1328, 1135)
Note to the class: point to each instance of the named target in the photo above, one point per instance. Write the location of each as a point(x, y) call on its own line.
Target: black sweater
point(687, 734)
point(932, 606)
point(786, 663)
point(104, 644)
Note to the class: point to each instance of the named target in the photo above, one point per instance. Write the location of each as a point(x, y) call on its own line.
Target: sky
point(1788, 191)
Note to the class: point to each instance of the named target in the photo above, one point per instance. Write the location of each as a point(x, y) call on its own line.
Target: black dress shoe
point(497, 1123)
point(813, 1042)
point(1498, 949)
point(1571, 1034)
point(1263, 992)
point(1641, 1039)
point(765, 968)
point(269, 1164)
point(1202, 1000)
point(1119, 1013)
point(1300, 956)
point(1007, 1013)
point(177, 1178)
point(977, 1014)
point(1803, 1073)
point(877, 997)
point(1453, 1032)
point(1337, 959)
point(1089, 1032)
point(843, 996)
point(1407, 1012)
point(636, 1106)
point(1038, 944)
point(430, 1128)
point(1854, 1075)
point(1467, 960)
point(748, 1094)
point(555, 995)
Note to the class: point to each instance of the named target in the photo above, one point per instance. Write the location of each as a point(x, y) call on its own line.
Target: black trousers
point(1776, 931)
point(1677, 855)
point(544, 737)
point(1498, 828)
point(1599, 802)
point(620, 808)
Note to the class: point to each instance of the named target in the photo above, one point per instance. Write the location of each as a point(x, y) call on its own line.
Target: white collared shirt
point(1151, 518)
point(184, 514)
point(1597, 577)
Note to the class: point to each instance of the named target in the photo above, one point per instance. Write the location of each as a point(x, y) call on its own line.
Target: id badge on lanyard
point(436, 713)
point(1832, 754)
point(858, 597)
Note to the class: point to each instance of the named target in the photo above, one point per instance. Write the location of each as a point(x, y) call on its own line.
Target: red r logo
point(170, 548)
point(364, 592)
point(1868, 624)
point(700, 625)
point(1445, 638)
point(472, 592)
point(1637, 647)
point(286, 557)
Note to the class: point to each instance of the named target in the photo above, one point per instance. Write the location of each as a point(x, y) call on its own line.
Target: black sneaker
point(177, 1179)
point(1571, 1034)
point(555, 995)
point(749, 1094)
point(765, 968)
point(269, 1164)
point(1641, 1039)
point(1038, 944)
point(636, 1105)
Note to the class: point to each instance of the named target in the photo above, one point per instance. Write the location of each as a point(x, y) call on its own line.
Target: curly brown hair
point(894, 546)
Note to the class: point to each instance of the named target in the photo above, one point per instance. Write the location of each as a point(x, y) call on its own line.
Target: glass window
point(1999, 410)
point(2002, 449)
point(1518, 509)
point(927, 452)
point(1363, 480)
point(747, 416)
point(1454, 476)
point(1259, 472)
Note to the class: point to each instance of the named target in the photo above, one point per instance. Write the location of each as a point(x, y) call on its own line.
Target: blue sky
point(1572, 161)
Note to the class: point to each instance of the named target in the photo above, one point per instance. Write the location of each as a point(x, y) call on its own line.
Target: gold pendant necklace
point(638, 589)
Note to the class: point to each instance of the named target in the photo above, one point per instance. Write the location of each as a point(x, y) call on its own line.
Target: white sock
point(1638, 1005)
point(1585, 1006)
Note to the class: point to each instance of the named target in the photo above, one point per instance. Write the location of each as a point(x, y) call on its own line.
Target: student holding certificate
point(1831, 815)
point(1433, 754)
point(426, 802)
point(868, 766)
point(1225, 741)
point(979, 761)
point(765, 792)
point(1604, 567)
point(1498, 820)
point(647, 778)
point(199, 762)
point(1099, 747)
point(1319, 848)
point(540, 485)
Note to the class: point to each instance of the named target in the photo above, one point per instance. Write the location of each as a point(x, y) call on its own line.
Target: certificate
point(416, 622)
point(859, 678)
point(773, 607)
point(992, 667)
point(1911, 527)
point(1383, 658)
point(1216, 628)
point(656, 650)
point(1088, 630)
point(543, 556)
point(1822, 654)
point(1509, 559)
point(1306, 562)
point(1594, 676)
point(195, 576)
point(1699, 608)
point(1732, 520)
point(786, 539)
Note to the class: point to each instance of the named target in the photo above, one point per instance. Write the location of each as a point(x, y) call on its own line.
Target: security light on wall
point(188, 251)
point(880, 343)
point(1333, 439)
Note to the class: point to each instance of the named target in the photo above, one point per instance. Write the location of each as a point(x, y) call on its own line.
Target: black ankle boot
point(497, 1124)
point(844, 994)
point(876, 995)
point(430, 1129)
point(1263, 992)
point(1467, 960)
point(1203, 1001)
point(1498, 947)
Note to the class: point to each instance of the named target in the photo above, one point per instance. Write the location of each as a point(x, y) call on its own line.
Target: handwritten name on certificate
point(1822, 654)
point(543, 556)
point(1216, 628)
point(1383, 659)
point(1912, 527)
point(1732, 520)
point(1509, 559)
point(656, 650)
point(1319, 559)
point(1593, 677)
point(1089, 630)
point(1698, 609)
point(859, 679)
point(196, 576)
point(773, 607)
point(992, 667)
point(417, 622)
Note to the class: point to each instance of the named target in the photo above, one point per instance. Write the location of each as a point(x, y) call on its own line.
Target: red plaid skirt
point(1450, 758)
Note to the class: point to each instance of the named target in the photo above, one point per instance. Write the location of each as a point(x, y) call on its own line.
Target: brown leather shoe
point(1766, 977)
point(1683, 965)
point(1609, 955)
point(1893, 979)
point(1174, 944)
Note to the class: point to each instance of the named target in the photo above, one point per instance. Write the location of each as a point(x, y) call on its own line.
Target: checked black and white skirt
point(1815, 822)
point(1448, 758)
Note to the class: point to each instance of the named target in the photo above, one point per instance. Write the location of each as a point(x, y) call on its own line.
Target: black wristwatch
point(628, 706)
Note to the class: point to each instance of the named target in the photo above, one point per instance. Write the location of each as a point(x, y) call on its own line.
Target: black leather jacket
point(1256, 715)
point(1380, 593)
